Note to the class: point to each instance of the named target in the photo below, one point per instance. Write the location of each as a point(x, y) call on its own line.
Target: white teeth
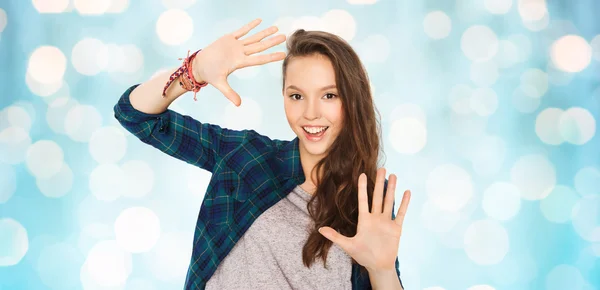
point(314, 130)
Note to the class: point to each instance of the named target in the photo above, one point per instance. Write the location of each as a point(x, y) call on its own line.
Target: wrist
point(196, 68)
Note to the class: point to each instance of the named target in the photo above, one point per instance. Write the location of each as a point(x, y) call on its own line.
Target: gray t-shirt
point(269, 254)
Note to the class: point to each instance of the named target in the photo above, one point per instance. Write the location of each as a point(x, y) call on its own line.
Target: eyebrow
point(322, 89)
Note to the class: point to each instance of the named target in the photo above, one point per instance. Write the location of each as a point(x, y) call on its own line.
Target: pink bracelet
point(187, 77)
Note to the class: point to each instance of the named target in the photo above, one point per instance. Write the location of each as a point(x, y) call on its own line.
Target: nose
point(311, 109)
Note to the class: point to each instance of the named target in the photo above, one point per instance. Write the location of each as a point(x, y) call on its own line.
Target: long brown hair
point(355, 150)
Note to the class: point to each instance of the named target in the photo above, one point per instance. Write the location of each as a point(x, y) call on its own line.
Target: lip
point(313, 138)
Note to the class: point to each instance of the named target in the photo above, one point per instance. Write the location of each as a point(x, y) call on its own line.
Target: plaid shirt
point(250, 174)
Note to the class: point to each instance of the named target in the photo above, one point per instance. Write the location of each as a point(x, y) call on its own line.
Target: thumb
point(228, 92)
point(335, 237)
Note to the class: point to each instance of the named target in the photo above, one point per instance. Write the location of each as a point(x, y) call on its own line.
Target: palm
point(375, 244)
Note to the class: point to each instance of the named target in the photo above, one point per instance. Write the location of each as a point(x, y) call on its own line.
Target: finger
point(228, 92)
point(246, 28)
point(264, 45)
point(403, 207)
point(262, 59)
point(378, 191)
point(337, 238)
point(388, 203)
point(260, 35)
point(363, 198)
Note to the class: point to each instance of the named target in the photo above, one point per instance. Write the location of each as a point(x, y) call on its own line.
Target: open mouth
point(315, 134)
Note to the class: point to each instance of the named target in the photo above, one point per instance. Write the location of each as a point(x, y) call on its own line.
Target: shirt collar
point(288, 161)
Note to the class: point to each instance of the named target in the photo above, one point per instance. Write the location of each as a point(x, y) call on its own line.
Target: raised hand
point(215, 62)
point(375, 245)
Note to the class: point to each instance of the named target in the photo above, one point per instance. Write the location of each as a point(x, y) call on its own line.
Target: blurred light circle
point(107, 264)
point(484, 101)
point(595, 44)
point(248, 116)
point(484, 74)
point(89, 56)
point(537, 25)
point(374, 49)
point(16, 116)
point(532, 10)
point(536, 79)
point(93, 233)
point(408, 135)
point(501, 201)
point(14, 142)
point(508, 54)
point(437, 24)
point(547, 126)
point(118, 6)
point(116, 58)
point(134, 58)
point(47, 65)
point(577, 126)
point(307, 23)
point(81, 122)
point(585, 217)
point(44, 158)
point(92, 7)
point(108, 145)
point(522, 100)
point(139, 178)
point(107, 182)
point(41, 89)
point(498, 6)
point(460, 99)
point(3, 19)
point(174, 18)
point(339, 22)
point(556, 76)
point(55, 6)
point(57, 112)
point(15, 242)
point(587, 181)
point(534, 176)
point(479, 43)
point(181, 4)
point(137, 229)
point(449, 187)
point(523, 44)
point(8, 179)
point(58, 184)
point(557, 206)
point(56, 265)
point(486, 242)
point(571, 53)
point(564, 277)
point(169, 259)
point(408, 110)
point(437, 220)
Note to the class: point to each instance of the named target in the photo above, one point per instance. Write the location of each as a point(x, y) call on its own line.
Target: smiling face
point(312, 103)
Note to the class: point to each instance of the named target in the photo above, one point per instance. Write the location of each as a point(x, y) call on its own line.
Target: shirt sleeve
point(180, 136)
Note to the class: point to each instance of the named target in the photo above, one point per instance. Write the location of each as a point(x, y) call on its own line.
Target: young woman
point(310, 213)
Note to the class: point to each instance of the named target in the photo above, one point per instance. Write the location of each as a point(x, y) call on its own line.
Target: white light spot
point(501, 201)
point(484, 74)
point(44, 6)
point(537, 25)
point(8, 179)
point(93, 233)
point(437, 220)
point(536, 80)
point(106, 265)
point(107, 182)
point(547, 126)
point(484, 101)
point(57, 112)
point(408, 135)
point(47, 65)
point(339, 22)
point(523, 44)
point(170, 258)
point(571, 53)
point(41, 89)
point(449, 187)
point(181, 4)
point(586, 217)
point(522, 100)
point(307, 23)
point(118, 6)
point(16, 116)
point(58, 184)
point(497, 6)
point(577, 126)
point(134, 58)
point(532, 10)
point(137, 229)
point(197, 181)
point(44, 158)
point(557, 206)
point(139, 178)
point(81, 122)
point(116, 58)
point(508, 54)
point(479, 43)
point(534, 175)
point(460, 99)
point(486, 242)
point(92, 7)
point(587, 181)
point(89, 56)
point(14, 142)
point(408, 110)
point(437, 25)
point(564, 277)
point(3, 20)
point(14, 242)
point(247, 116)
point(374, 49)
point(174, 18)
point(108, 145)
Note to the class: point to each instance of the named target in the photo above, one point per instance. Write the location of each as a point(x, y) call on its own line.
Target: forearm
point(385, 280)
point(147, 97)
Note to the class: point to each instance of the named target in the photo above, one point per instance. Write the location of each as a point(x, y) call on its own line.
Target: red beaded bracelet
point(187, 80)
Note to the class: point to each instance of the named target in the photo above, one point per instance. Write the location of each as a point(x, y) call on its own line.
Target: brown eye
point(332, 96)
point(292, 96)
